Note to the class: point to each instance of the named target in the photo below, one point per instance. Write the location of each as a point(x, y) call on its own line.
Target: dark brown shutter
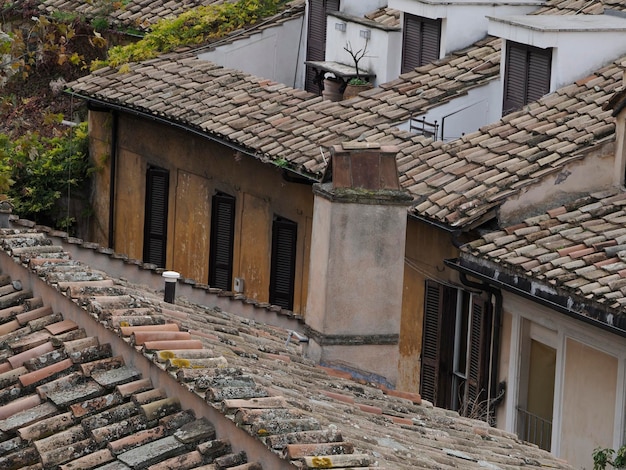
point(429, 381)
point(316, 38)
point(155, 225)
point(539, 68)
point(283, 268)
point(222, 238)
point(431, 35)
point(420, 41)
point(526, 75)
point(479, 345)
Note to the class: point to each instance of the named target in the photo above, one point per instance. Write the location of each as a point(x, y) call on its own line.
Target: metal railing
point(534, 429)
point(423, 127)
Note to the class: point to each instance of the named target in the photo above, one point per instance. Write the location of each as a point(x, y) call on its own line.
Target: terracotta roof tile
point(115, 419)
point(588, 268)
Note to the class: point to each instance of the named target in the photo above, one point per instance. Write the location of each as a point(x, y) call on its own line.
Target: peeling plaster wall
point(593, 172)
point(198, 168)
point(426, 248)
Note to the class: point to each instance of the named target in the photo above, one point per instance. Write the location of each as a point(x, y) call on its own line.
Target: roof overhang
point(593, 313)
point(96, 104)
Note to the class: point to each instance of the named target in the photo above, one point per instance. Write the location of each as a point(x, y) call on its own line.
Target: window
point(456, 350)
point(283, 268)
point(222, 237)
point(316, 40)
point(155, 225)
point(420, 41)
point(526, 75)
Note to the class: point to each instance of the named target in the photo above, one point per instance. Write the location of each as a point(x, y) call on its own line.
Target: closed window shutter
point(420, 41)
point(479, 343)
point(433, 306)
point(155, 226)
point(316, 39)
point(526, 75)
point(514, 78)
point(539, 67)
point(431, 34)
point(283, 268)
point(222, 237)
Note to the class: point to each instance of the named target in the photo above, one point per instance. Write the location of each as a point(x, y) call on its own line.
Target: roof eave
point(587, 311)
point(194, 130)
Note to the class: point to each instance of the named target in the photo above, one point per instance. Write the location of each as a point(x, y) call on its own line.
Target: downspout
point(113, 178)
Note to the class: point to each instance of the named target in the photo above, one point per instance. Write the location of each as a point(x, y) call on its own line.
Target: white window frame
point(541, 322)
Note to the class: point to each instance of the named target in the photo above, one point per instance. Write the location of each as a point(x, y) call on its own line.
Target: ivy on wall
point(192, 27)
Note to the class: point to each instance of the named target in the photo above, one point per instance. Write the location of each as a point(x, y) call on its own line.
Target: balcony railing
point(423, 127)
point(534, 429)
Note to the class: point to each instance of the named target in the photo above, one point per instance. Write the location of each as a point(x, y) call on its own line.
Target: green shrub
point(42, 170)
point(192, 27)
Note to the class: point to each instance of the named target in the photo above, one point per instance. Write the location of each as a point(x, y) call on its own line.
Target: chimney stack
point(357, 263)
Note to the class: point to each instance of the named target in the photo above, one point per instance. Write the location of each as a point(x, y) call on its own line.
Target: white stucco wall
point(464, 22)
point(276, 53)
point(581, 43)
point(383, 48)
point(360, 7)
point(466, 113)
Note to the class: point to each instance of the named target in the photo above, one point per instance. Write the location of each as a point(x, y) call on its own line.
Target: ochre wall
point(426, 248)
point(198, 168)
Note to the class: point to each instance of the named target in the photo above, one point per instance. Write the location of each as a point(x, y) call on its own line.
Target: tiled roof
point(270, 120)
point(578, 251)
point(140, 14)
point(385, 16)
point(433, 84)
point(67, 402)
point(579, 7)
point(455, 183)
point(458, 182)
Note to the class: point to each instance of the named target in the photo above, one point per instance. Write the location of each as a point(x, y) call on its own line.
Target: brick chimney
point(357, 262)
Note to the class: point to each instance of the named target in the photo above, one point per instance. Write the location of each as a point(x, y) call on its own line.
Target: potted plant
point(357, 84)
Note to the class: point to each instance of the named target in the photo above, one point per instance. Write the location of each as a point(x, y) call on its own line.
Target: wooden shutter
point(316, 38)
point(155, 225)
point(222, 238)
point(539, 67)
point(420, 41)
point(431, 35)
point(526, 75)
point(429, 381)
point(478, 359)
point(283, 268)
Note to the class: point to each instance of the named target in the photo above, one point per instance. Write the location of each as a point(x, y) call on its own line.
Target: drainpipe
point(113, 178)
